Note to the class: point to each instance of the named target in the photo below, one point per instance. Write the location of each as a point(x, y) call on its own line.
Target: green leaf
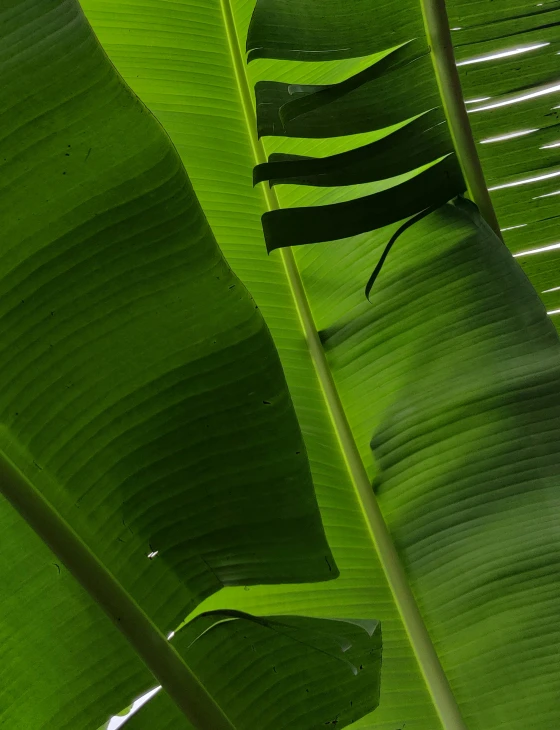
point(63, 664)
point(518, 86)
point(147, 432)
point(297, 226)
point(312, 673)
point(404, 150)
point(213, 127)
point(498, 651)
point(377, 97)
point(328, 30)
point(468, 413)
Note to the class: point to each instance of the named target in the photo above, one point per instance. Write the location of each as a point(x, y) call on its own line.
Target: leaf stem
point(438, 32)
point(150, 644)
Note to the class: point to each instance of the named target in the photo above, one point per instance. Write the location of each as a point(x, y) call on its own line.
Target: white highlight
point(153, 554)
point(554, 288)
point(550, 146)
point(547, 195)
point(513, 135)
point(477, 101)
point(170, 635)
point(554, 311)
point(526, 182)
point(116, 722)
point(536, 250)
point(543, 91)
point(502, 54)
point(511, 228)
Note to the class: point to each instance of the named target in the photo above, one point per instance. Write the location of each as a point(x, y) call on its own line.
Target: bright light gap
point(511, 228)
point(512, 135)
point(547, 195)
point(532, 251)
point(550, 146)
point(502, 54)
point(517, 99)
point(526, 182)
point(116, 722)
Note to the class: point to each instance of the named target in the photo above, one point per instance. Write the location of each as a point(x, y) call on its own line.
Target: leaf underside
point(143, 396)
point(481, 567)
point(278, 671)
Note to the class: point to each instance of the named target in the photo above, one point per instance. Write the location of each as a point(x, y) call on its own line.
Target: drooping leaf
point(143, 397)
point(306, 32)
point(373, 99)
point(387, 250)
point(311, 673)
point(408, 148)
point(399, 87)
point(297, 226)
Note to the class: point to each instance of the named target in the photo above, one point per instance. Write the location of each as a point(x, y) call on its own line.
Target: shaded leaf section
point(325, 30)
point(142, 394)
point(395, 89)
point(394, 61)
point(540, 19)
point(298, 226)
point(417, 143)
point(481, 13)
point(278, 672)
point(454, 368)
point(386, 251)
point(478, 462)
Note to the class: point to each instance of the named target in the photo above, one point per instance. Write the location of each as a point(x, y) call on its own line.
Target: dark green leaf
point(297, 226)
point(350, 107)
point(308, 30)
point(398, 59)
point(314, 673)
point(417, 143)
point(456, 369)
point(142, 393)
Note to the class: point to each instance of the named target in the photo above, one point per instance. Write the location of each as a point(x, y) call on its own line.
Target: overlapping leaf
point(410, 146)
point(143, 396)
point(330, 31)
point(169, 53)
point(398, 89)
point(278, 671)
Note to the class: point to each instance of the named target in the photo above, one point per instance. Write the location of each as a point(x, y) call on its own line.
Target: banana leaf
point(448, 300)
point(453, 369)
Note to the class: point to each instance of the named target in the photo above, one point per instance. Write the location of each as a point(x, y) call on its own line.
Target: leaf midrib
point(438, 33)
point(147, 640)
point(422, 645)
